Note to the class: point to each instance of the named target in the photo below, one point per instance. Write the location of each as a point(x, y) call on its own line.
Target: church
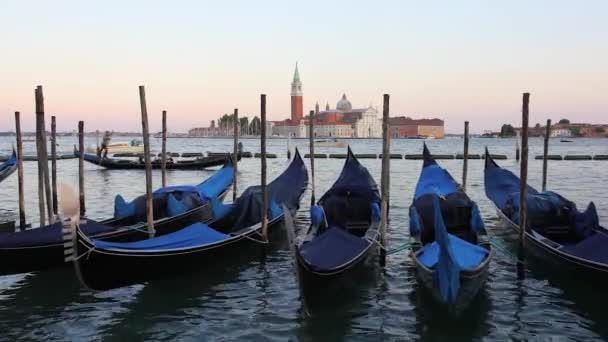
point(341, 122)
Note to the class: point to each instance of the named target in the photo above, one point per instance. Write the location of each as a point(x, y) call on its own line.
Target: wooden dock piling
point(81, 168)
point(465, 161)
point(44, 153)
point(523, 185)
point(517, 138)
point(311, 142)
point(39, 152)
point(163, 158)
point(22, 221)
point(385, 177)
point(546, 154)
point(263, 162)
point(54, 163)
point(146, 133)
point(235, 155)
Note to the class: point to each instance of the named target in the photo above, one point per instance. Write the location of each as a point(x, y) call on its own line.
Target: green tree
point(599, 130)
point(244, 123)
point(576, 131)
point(564, 121)
point(256, 126)
point(507, 131)
point(212, 123)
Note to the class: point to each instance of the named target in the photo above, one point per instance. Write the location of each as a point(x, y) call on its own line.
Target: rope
point(504, 251)
point(405, 246)
point(256, 240)
point(87, 253)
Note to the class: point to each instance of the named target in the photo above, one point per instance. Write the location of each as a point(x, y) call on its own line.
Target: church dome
point(344, 104)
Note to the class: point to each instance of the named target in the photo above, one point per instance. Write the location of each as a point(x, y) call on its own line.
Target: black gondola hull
point(197, 164)
point(558, 259)
point(102, 269)
point(311, 279)
point(41, 257)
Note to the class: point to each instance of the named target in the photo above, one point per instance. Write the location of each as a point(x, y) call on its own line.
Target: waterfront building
point(404, 127)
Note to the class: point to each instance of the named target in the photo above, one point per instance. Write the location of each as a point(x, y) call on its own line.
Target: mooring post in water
point(385, 176)
point(20, 170)
point(44, 153)
point(81, 168)
point(163, 158)
point(465, 160)
point(517, 138)
point(144, 126)
point(97, 141)
point(311, 142)
point(523, 185)
point(546, 154)
point(235, 154)
point(54, 163)
point(288, 146)
point(263, 162)
point(39, 152)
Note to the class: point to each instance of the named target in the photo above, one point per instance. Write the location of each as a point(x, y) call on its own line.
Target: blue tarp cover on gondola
point(10, 162)
point(48, 235)
point(546, 208)
point(188, 196)
point(467, 254)
point(333, 248)
point(197, 234)
point(285, 189)
point(433, 178)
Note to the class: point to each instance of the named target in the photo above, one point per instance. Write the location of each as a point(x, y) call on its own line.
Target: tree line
point(226, 122)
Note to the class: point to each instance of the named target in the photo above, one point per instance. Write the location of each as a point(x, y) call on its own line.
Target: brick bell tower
point(297, 105)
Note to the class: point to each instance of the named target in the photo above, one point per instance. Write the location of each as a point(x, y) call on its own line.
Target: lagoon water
point(255, 298)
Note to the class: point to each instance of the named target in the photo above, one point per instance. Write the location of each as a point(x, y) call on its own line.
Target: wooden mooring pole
point(263, 162)
point(54, 163)
point(517, 138)
point(44, 153)
point(83, 209)
point(22, 222)
point(523, 185)
point(311, 142)
point(465, 161)
point(235, 155)
point(163, 158)
point(144, 126)
point(546, 154)
point(39, 152)
point(385, 176)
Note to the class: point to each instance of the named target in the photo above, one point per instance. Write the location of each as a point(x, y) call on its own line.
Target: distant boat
point(417, 136)
point(566, 140)
point(330, 143)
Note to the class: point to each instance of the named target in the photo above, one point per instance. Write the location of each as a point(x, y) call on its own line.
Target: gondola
point(176, 206)
point(104, 265)
point(8, 167)
point(556, 231)
point(344, 226)
point(451, 250)
point(124, 164)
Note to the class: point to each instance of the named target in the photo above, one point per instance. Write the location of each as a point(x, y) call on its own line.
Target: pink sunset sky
point(466, 60)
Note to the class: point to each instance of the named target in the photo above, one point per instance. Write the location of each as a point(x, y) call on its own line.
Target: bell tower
point(297, 104)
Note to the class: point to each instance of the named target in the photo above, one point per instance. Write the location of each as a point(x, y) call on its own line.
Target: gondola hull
point(197, 164)
point(312, 279)
point(102, 269)
point(7, 168)
point(36, 258)
point(471, 281)
point(541, 248)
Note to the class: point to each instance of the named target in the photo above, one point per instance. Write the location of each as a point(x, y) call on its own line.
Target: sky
point(455, 60)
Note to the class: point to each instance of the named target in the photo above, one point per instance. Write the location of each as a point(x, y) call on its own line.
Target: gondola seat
point(332, 249)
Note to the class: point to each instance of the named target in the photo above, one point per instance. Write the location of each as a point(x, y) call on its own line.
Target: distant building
point(561, 132)
point(403, 127)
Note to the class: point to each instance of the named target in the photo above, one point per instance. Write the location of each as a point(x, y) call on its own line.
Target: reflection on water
point(254, 295)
